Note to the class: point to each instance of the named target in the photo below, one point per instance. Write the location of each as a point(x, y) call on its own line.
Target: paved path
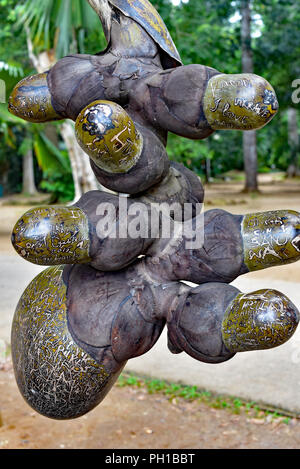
point(271, 377)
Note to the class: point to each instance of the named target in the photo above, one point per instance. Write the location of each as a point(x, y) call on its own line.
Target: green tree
point(60, 26)
point(205, 33)
point(54, 28)
point(279, 48)
point(249, 138)
point(34, 141)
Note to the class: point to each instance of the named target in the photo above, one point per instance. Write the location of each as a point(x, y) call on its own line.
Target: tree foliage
point(204, 31)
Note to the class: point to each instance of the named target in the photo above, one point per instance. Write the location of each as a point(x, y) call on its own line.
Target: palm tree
point(36, 142)
point(55, 28)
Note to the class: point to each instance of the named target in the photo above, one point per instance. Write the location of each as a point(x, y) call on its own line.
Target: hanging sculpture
point(108, 294)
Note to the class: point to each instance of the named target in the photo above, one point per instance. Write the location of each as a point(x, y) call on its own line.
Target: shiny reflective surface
point(108, 135)
point(52, 236)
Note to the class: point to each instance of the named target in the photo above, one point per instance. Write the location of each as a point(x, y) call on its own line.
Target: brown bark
point(249, 137)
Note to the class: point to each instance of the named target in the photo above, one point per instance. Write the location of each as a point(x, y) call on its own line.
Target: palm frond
point(48, 156)
point(58, 24)
point(60, 156)
point(6, 116)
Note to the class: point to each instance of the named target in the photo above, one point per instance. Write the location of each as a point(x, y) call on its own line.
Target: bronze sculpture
point(107, 298)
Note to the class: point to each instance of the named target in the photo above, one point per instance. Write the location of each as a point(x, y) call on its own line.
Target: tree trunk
point(250, 161)
point(293, 139)
point(28, 174)
point(249, 137)
point(84, 179)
